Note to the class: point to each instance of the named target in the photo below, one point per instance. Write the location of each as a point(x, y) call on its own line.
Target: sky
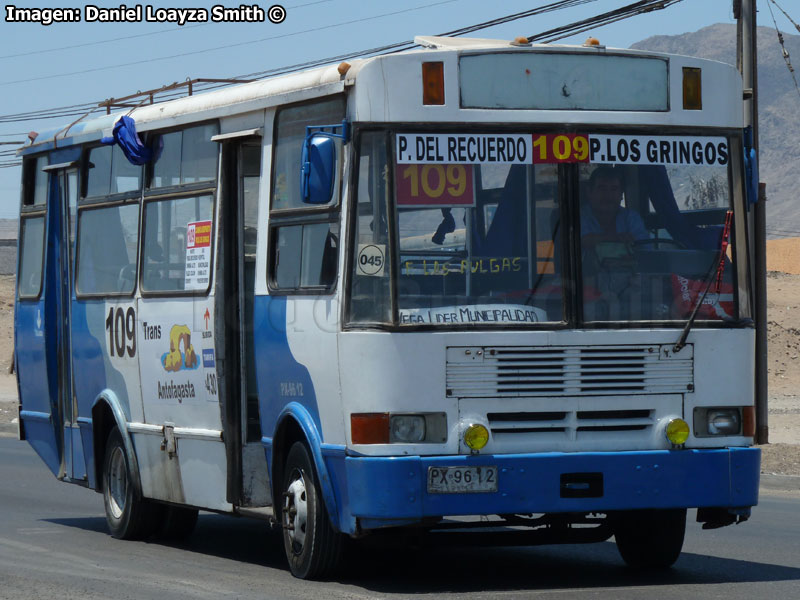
point(63, 64)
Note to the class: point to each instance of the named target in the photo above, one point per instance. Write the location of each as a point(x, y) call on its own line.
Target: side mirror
point(318, 169)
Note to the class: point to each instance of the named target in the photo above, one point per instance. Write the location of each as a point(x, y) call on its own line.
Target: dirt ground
point(781, 456)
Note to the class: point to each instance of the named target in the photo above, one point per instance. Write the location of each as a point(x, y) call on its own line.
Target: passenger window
point(187, 156)
point(177, 244)
point(109, 172)
point(35, 182)
point(30, 262)
point(107, 244)
point(291, 132)
point(305, 256)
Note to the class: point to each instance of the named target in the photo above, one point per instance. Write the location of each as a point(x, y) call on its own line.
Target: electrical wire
point(398, 46)
point(778, 6)
point(227, 46)
point(624, 12)
point(619, 14)
point(784, 51)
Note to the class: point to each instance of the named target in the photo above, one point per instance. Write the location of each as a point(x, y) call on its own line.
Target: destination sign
point(525, 149)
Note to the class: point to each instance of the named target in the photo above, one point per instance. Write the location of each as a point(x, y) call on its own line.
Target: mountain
point(778, 105)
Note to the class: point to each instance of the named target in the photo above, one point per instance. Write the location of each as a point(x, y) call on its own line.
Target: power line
point(619, 14)
point(77, 110)
point(784, 51)
point(229, 46)
point(625, 12)
point(796, 26)
point(408, 44)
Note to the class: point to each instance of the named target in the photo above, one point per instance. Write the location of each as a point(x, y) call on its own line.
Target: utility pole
point(747, 38)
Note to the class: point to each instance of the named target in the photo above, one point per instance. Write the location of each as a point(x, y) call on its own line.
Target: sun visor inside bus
point(132, 147)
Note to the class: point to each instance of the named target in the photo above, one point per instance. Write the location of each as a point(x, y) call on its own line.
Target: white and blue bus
point(479, 278)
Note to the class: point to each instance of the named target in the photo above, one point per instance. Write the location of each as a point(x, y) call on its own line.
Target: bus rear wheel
point(650, 539)
point(128, 517)
point(312, 546)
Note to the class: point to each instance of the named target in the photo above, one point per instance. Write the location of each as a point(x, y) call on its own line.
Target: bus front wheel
point(128, 517)
point(312, 546)
point(650, 539)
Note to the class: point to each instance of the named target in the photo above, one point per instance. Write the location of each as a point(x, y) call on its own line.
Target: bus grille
point(498, 372)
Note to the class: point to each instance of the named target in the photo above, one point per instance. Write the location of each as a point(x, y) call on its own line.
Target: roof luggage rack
point(125, 101)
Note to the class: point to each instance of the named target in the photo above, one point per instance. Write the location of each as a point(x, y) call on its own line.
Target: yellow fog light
point(677, 432)
point(476, 437)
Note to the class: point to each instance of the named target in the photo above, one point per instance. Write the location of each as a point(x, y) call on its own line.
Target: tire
point(128, 517)
point(177, 523)
point(650, 539)
point(313, 548)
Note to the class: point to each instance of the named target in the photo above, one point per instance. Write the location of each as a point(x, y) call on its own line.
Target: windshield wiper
point(717, 265)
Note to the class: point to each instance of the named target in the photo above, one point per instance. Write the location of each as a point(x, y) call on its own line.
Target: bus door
point(49, 411)
point(247, 468)
point(74, 465)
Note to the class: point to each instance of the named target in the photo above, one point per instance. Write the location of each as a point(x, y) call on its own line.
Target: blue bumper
point(387, 491)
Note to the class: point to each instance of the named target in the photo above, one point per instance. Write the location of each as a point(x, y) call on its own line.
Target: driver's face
point(605, 196)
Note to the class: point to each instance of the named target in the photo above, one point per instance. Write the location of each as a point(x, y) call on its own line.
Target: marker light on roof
point(433, 83)
point(692, 89)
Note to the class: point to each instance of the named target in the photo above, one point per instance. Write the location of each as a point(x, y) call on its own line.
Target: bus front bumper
point(386, 491)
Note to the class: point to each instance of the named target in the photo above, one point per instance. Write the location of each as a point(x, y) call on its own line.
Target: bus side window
point(32, 252)
point(304, 256)
point(35, 180)
point(185, 157)
point(107, 244)
point(166, 223)
point(304, 242)
point(291, 131)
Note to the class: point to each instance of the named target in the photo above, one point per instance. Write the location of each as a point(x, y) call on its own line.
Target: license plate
point(460, 480)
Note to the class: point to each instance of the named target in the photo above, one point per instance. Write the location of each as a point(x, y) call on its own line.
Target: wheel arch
point(295, 424)
point(107, 413)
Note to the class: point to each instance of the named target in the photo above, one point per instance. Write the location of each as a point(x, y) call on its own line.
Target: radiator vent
point(498, 372)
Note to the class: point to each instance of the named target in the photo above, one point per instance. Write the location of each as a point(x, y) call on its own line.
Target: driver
point(603, 219)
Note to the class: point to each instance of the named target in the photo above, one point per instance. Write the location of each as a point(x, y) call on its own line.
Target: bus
point(480, 288)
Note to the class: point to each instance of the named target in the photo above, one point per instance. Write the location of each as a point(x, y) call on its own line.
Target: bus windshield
point(500, 238)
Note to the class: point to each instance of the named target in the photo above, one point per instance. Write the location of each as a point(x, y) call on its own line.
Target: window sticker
point(478, 313)
point(371, 260)
point(198, 255)
point(434, 185)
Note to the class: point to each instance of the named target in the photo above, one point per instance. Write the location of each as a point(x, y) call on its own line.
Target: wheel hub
point(295, 511)
point(117, 483)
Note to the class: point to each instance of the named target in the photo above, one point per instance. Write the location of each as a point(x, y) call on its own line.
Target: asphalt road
point(53, 544)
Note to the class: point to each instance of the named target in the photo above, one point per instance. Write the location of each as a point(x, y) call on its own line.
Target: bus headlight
point(409, 429)
point(389, 428)
point(723, 422)
point(711, 421)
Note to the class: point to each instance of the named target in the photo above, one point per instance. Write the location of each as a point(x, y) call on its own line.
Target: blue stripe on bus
point(275, 365)
point(30, 349)
point(393, 490)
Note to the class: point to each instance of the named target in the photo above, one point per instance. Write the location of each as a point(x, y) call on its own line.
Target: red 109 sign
point(434, 185)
